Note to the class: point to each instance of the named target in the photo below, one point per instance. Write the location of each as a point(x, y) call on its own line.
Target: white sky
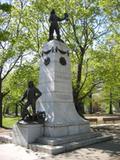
point(5, 1)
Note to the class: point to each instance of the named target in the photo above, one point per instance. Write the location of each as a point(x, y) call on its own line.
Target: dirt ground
point(109, 150)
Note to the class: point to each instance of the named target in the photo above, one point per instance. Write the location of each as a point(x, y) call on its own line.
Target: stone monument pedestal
point(56, 87)
point(64, 129)
point(25, 134)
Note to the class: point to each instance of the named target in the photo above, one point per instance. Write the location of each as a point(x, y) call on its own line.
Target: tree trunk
point(76, 90)
point(90, 107)
point(7, 111)
point(4, 111)
point(16, 110)
point(79, 73)
point(78, 81)
point(110, 106)
point(1, 98)
point(119, 104)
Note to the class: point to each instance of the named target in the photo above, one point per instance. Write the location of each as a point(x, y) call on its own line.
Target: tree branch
point(11, 67)
point(75, 34)
point(92, 87)
point(1, 68)
point(86, 75)
point(2, 46)
point(4, 94)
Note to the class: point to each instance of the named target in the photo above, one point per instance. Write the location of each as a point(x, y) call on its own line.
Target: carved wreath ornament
point(62, 60)
point(46, 61)
point(55, 50)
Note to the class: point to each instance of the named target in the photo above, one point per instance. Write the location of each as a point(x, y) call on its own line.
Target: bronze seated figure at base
point(31, 95)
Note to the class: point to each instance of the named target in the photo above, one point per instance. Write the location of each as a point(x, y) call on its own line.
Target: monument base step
point(64, 144)
point(66, 139)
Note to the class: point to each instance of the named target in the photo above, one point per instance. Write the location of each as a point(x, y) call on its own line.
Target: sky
point(5, 1)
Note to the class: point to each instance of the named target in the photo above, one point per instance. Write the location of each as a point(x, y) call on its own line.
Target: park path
point(109, 150)
point(5, 131)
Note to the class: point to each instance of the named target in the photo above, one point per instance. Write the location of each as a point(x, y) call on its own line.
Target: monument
point(64, 129)
point(56, 87)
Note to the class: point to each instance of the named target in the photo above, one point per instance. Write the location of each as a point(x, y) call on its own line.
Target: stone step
point(68, 139)
point(68, 146)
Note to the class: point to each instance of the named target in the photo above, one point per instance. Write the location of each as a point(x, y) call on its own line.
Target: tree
point(19, 37)
point(107, 67)
point(5, 10)
point(16, 82)
point(11, 45)
point(87, 25)
point(85, 22)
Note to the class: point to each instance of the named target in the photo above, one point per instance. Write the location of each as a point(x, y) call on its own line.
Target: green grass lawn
point(10, 121)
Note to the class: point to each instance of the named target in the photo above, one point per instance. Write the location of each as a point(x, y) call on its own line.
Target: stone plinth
point(56, 87)
point(64, 144)
point(24, 134)
point(64, 130)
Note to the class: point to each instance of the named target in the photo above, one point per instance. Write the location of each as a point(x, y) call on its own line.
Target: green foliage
point(5, 7)
point(4, 35)
point(106, 60)
point(91, 28)
point(111, 8)
point(17, 82)
point(10, 121)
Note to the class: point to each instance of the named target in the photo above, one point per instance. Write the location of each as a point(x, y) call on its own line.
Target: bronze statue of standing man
point(54, 19)
point(31, 94)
